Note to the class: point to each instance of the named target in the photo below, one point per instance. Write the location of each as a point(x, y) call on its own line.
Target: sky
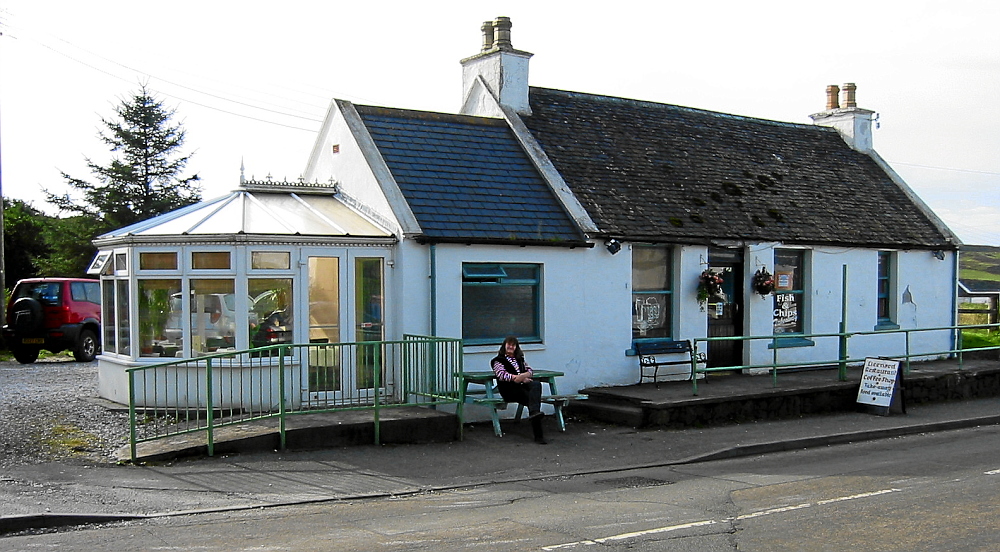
point(251, 82)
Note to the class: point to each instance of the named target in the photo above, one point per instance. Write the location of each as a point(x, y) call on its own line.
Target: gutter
point(572, 244)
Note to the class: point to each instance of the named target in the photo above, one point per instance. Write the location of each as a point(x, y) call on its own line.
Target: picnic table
point(490, 397)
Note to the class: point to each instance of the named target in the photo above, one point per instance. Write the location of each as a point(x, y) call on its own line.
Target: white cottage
point(580, 223)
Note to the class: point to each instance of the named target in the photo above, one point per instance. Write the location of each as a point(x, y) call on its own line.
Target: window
point(273, 260)
point(110, 344)
point(270, 315)
point(157, 261)
point(884, 292)
point(499, 300)
point(159, 318)
point(213, 316)
point(651, 292)
point(121, 303)
point(86, 291)
point(208, 260)
point(789, 294)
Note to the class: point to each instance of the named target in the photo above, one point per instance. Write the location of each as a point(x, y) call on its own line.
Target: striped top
point(501, 371)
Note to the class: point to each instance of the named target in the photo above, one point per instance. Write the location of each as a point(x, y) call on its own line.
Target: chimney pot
point(502, 26)
point(850, 99)
point(832, 92)
point(487, 36)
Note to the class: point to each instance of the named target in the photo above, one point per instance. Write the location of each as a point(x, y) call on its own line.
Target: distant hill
point(979, 267)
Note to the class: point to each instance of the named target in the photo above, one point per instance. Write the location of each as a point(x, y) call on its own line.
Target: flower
point(762, 281)
point(709, 284)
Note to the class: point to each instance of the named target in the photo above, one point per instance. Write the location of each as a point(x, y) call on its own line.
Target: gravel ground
point(49, 411)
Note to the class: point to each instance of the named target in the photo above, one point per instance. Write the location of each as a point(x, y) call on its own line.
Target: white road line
point(992, 472)
point(751, 515)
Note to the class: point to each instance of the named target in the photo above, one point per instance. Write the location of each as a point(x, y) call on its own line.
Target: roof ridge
point(648, 103)
point(429, 115)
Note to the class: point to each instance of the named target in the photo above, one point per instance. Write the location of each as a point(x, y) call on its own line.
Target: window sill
point(789, 342)
point(494, 347)
point(882, 326)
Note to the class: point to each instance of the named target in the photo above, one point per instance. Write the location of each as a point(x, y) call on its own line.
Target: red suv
point(54, 314)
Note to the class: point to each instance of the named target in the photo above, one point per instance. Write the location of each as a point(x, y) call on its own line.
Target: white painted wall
point(349, 166)
point(586, 310)
point(928, 303)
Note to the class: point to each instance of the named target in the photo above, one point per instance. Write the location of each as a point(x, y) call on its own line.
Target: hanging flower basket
point(762, 282)
point(709, 284)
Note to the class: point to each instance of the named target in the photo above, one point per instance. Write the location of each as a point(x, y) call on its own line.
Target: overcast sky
point(251, 81)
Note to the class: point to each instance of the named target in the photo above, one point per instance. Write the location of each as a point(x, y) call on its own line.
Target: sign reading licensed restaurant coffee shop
point(878, 381)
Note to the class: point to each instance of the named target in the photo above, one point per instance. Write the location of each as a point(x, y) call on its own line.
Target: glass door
point(345, 305)
point(368, 324)
point(324, 381)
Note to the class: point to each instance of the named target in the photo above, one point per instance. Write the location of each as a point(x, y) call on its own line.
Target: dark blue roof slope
point(657, 172)
point(467, 179)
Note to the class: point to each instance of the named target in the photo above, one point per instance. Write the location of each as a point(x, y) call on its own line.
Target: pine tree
point(142, 180)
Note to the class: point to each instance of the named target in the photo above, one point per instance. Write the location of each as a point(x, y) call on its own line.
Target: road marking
point(993, 472)
point(770, 511)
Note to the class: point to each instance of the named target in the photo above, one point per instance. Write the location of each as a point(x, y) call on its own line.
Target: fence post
point(281, 392)
point(131, 412)
point(906, 371)
point(961, 346)
point(377, 373)
point(774, 366)
point(842, 376)
point(694, 366)
point(210, 415)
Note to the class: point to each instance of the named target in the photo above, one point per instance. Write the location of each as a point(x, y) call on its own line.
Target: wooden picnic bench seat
point(488, 396)
point(647, 352)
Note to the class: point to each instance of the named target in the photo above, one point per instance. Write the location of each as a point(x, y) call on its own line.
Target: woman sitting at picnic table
point(515, 384)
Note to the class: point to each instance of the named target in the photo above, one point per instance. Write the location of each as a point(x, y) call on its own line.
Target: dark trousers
point(528, 393)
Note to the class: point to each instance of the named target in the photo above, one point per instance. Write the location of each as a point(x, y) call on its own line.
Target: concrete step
point(742, 398)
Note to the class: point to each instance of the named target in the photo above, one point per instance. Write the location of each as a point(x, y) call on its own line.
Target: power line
point(175, 96)
point(972, 171)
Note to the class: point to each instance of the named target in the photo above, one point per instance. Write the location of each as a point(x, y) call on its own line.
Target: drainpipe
point(433, 261)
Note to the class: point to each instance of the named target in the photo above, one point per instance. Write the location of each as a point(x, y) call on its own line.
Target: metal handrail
point(843, 358)
point(234, 387)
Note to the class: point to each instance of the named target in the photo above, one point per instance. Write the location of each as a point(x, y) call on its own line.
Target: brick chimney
point(504, 69)
point(843, 114)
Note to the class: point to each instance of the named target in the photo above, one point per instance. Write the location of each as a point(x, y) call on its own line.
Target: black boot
point(536, 428)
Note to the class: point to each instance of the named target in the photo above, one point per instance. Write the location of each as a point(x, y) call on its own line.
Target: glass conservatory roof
point(266, 209)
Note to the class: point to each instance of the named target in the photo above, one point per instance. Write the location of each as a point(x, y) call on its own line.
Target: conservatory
point(239, 272)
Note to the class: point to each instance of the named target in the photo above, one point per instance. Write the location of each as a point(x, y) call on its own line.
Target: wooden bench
point(647, 351)
point(489, 397)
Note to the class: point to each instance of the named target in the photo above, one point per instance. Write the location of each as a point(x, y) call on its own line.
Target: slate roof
point(647, 171)
point(467, 179)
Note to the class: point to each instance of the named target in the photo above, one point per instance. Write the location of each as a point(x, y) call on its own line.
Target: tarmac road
point(931, 492)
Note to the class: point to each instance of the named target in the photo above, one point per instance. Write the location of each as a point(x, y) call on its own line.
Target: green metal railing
point(235, 387)
point(843, 358)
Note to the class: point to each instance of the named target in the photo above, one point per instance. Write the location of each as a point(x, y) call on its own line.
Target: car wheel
point(86, 347)
point(27, 315)
point(26, 355)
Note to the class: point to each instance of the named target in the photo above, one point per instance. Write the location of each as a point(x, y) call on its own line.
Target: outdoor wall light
point(938, 254)
point(613, 245)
